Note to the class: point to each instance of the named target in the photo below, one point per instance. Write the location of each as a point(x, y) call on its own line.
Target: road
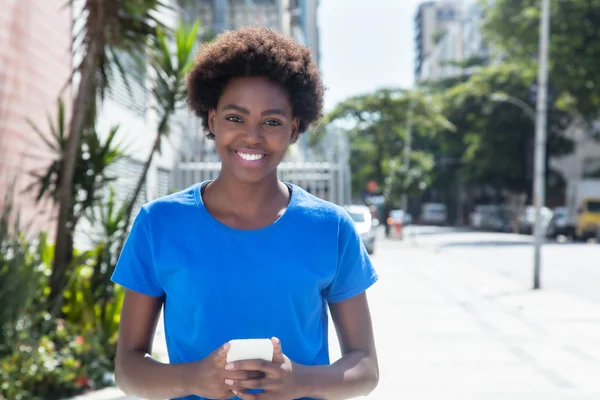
point(569, 267)
point(455, 319)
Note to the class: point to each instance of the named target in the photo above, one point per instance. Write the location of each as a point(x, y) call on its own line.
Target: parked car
point(559, 223)
point(396, 222)
point(491, 218)
point(526, 220)
point(361, 216)
point(434, 214)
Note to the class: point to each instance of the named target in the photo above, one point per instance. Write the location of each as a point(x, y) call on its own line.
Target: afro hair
point(256, 51)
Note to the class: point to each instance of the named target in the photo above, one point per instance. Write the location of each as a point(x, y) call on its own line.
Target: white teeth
point(250, 157)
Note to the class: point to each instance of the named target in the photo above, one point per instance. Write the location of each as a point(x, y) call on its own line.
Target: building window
point(445, 14)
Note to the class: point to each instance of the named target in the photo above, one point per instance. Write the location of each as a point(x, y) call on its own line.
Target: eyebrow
point(245, 111)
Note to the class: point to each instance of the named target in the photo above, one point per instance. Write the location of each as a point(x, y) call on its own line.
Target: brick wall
point(35, 63)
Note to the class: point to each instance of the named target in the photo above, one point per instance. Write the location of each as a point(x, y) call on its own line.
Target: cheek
point(280, 141)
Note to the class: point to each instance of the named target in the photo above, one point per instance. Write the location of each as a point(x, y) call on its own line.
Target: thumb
point(220, 354)
point(277, 351)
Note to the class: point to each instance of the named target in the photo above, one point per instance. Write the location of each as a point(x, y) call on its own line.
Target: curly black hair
point(256, 51)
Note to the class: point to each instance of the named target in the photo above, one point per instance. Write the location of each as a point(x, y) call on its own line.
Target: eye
point(273, 122)
point(234, 118)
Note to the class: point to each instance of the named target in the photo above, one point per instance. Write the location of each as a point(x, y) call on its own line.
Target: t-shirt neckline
point(218, 224)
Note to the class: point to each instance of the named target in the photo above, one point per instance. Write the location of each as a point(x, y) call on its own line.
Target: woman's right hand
point(207, 378)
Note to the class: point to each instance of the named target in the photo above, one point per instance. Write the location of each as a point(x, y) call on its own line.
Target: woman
point(246, 255)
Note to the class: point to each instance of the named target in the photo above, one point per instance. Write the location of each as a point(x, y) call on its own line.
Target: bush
point(53, 356)
point(62, 363)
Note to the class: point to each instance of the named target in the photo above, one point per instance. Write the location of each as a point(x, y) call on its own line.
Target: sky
point(365, 45)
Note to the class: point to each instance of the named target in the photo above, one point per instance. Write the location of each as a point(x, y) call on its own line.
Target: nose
point(254, 133)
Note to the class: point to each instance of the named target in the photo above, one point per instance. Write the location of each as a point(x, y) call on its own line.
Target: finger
point(247, 384)
point(244, 375)
point(245, 396)
point(270, 368)
point(277, 351)
point(220, 355)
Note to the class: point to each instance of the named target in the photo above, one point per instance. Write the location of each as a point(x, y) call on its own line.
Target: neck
point(248, 198)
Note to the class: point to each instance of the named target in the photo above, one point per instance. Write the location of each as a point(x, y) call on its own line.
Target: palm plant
point(104, 29)
point(168, 90)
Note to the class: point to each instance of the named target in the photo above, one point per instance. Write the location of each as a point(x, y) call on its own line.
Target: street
point(455, 318)
point(568, 267)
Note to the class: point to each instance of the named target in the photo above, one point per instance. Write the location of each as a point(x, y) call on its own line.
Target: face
point(253, 127)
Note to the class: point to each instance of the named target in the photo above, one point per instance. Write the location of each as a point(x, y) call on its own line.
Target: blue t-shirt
point(222, 283)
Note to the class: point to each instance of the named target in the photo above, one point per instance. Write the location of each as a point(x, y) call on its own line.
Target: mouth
point(250, 157)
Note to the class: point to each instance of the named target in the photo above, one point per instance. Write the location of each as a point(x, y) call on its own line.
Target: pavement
point(451, 323)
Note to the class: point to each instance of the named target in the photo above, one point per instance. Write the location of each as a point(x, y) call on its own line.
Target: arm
point(357, 372)
point(136, 372)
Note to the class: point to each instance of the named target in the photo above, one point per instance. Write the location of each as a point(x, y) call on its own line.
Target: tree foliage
point(513, 27)
point(376, 124)
point(493, 141)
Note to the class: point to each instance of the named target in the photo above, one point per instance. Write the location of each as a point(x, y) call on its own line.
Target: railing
point(329, 181)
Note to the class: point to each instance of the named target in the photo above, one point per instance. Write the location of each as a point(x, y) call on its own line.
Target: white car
point(434, 214)
point(361, 215)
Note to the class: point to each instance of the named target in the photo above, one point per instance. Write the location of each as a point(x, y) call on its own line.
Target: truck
point(583, 209)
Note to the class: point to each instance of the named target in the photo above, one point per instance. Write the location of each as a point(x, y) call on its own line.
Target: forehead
point(255, 93)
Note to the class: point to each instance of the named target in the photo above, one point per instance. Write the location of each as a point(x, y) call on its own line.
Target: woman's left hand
point(283, 378)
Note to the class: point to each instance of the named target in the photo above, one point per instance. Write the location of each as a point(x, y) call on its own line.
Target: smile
point(250, 157)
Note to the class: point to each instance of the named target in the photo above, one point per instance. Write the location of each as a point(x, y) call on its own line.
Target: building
point(296, 18)
point(432, 20)
point(458, 40)
point(35, 65)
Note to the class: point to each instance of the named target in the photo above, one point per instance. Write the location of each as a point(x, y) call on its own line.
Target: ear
point(295, 130)
point(212, 115)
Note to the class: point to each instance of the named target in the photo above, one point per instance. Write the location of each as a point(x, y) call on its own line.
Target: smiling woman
point(247, 256)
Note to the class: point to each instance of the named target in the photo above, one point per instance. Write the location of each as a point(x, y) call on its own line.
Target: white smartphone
point(250, 349)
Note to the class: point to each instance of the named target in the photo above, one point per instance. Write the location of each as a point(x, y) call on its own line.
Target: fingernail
point(229, 367)
point(236, 393)
point(229, 382)
point(275, 340)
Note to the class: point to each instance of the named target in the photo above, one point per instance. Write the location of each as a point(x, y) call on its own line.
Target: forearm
point(355, 374)
point(138, 374)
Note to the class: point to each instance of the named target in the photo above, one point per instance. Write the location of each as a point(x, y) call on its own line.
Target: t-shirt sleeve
point(135, 267)
point(355, 272)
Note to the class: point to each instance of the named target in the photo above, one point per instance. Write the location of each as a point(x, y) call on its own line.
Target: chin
point(249, 176)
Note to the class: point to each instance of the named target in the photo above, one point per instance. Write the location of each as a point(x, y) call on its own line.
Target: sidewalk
point(458, 331)
point(450, 330)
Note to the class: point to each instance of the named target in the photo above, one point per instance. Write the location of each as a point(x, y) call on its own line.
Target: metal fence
point(329, 181)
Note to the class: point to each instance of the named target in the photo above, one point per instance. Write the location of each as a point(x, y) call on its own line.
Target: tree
point(376, 126)
point(412, 181)
point(494, 141)
point(104, 28)
point(170, 93)
point(91, 168)
point(513, 27)
point(169, 90)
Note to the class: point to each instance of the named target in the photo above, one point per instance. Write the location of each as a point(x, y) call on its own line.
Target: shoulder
point(316, 209)
point(171, 208)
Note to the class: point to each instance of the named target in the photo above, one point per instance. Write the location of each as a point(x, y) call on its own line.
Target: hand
point(207, 378)
point(283, 378)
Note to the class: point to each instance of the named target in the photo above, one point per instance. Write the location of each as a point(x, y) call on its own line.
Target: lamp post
point(538, 117)
point(539, 184)
point(504, 98)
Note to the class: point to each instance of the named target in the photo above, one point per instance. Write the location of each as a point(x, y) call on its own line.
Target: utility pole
point(539, 184)
point(408, 149)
